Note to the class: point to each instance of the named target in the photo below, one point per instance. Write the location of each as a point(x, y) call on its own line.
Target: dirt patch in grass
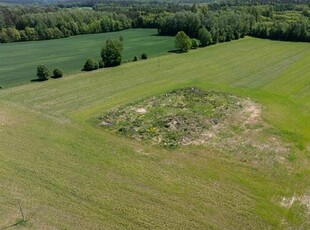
point(196, 117)
point(10, 215)
point(304, 200)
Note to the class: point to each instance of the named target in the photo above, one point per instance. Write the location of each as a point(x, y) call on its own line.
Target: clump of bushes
point(90, 65)
point(57, 73)
point(43, 73)
point(144, 56)
point(135, 58)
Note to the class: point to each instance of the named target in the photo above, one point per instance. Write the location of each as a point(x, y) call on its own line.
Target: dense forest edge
point(224, 21)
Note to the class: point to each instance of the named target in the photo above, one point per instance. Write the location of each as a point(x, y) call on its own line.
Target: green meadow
point(67, 172)
point(18, 61)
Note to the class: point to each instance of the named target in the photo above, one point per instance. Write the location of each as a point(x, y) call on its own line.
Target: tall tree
point(182, 41)
point(204, 37)
point(111, 54)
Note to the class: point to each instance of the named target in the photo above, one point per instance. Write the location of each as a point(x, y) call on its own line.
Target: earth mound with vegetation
point(181, 117)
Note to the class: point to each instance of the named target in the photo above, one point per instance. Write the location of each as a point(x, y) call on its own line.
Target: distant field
point(69, 173)
point(18, 61)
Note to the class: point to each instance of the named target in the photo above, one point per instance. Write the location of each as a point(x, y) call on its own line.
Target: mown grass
point(71, 174)
point(18, 61)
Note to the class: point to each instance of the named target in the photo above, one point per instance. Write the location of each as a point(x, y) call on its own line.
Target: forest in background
point(224, 21)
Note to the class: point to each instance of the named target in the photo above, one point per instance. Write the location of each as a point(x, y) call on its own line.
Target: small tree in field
point(57, 73)
point(43, 72)
point(182, 42)
point(90, 65)
point(111, 54)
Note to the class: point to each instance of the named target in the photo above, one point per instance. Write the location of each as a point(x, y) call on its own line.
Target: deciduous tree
point(111, 54)
point(182, 42)
point(204, 37)
point(43, 72)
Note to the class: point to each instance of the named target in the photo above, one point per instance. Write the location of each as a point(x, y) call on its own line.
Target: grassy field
point(18, 61)
point(70, 173)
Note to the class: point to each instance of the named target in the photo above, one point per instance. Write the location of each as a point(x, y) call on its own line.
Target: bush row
point(43, 73)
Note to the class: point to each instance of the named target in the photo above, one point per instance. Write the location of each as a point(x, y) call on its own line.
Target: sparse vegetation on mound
point(180, 117)
point(196, 117)
point(172, 119)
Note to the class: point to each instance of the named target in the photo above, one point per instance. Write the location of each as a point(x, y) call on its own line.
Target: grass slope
point(70, 174)
point(18, 61)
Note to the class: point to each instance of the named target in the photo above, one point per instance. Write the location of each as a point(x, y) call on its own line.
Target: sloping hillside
point(69, 173)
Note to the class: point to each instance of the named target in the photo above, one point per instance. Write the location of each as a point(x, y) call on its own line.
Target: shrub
point(43, 72)
point(135, 58)
point(101, 64)
point(57, 73)
point(144, 56)
point(96, 65)
point(195, 43)
point(90, 65)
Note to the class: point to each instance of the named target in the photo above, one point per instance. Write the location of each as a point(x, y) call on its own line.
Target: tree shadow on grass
point(54, 77)
point(38, 80)
point(159, 35)
point(176, 51)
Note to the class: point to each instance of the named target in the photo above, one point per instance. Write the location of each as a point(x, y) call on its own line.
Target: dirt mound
point(191, 116)
point(176, 118)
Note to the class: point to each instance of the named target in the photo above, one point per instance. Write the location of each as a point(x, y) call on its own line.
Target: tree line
point(60, 23)
point(222, 25)
point(235, 22)
point(225, 21)
point(295, 31)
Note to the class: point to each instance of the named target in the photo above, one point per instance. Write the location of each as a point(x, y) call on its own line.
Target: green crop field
point(18, 61)
point(67, 172)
